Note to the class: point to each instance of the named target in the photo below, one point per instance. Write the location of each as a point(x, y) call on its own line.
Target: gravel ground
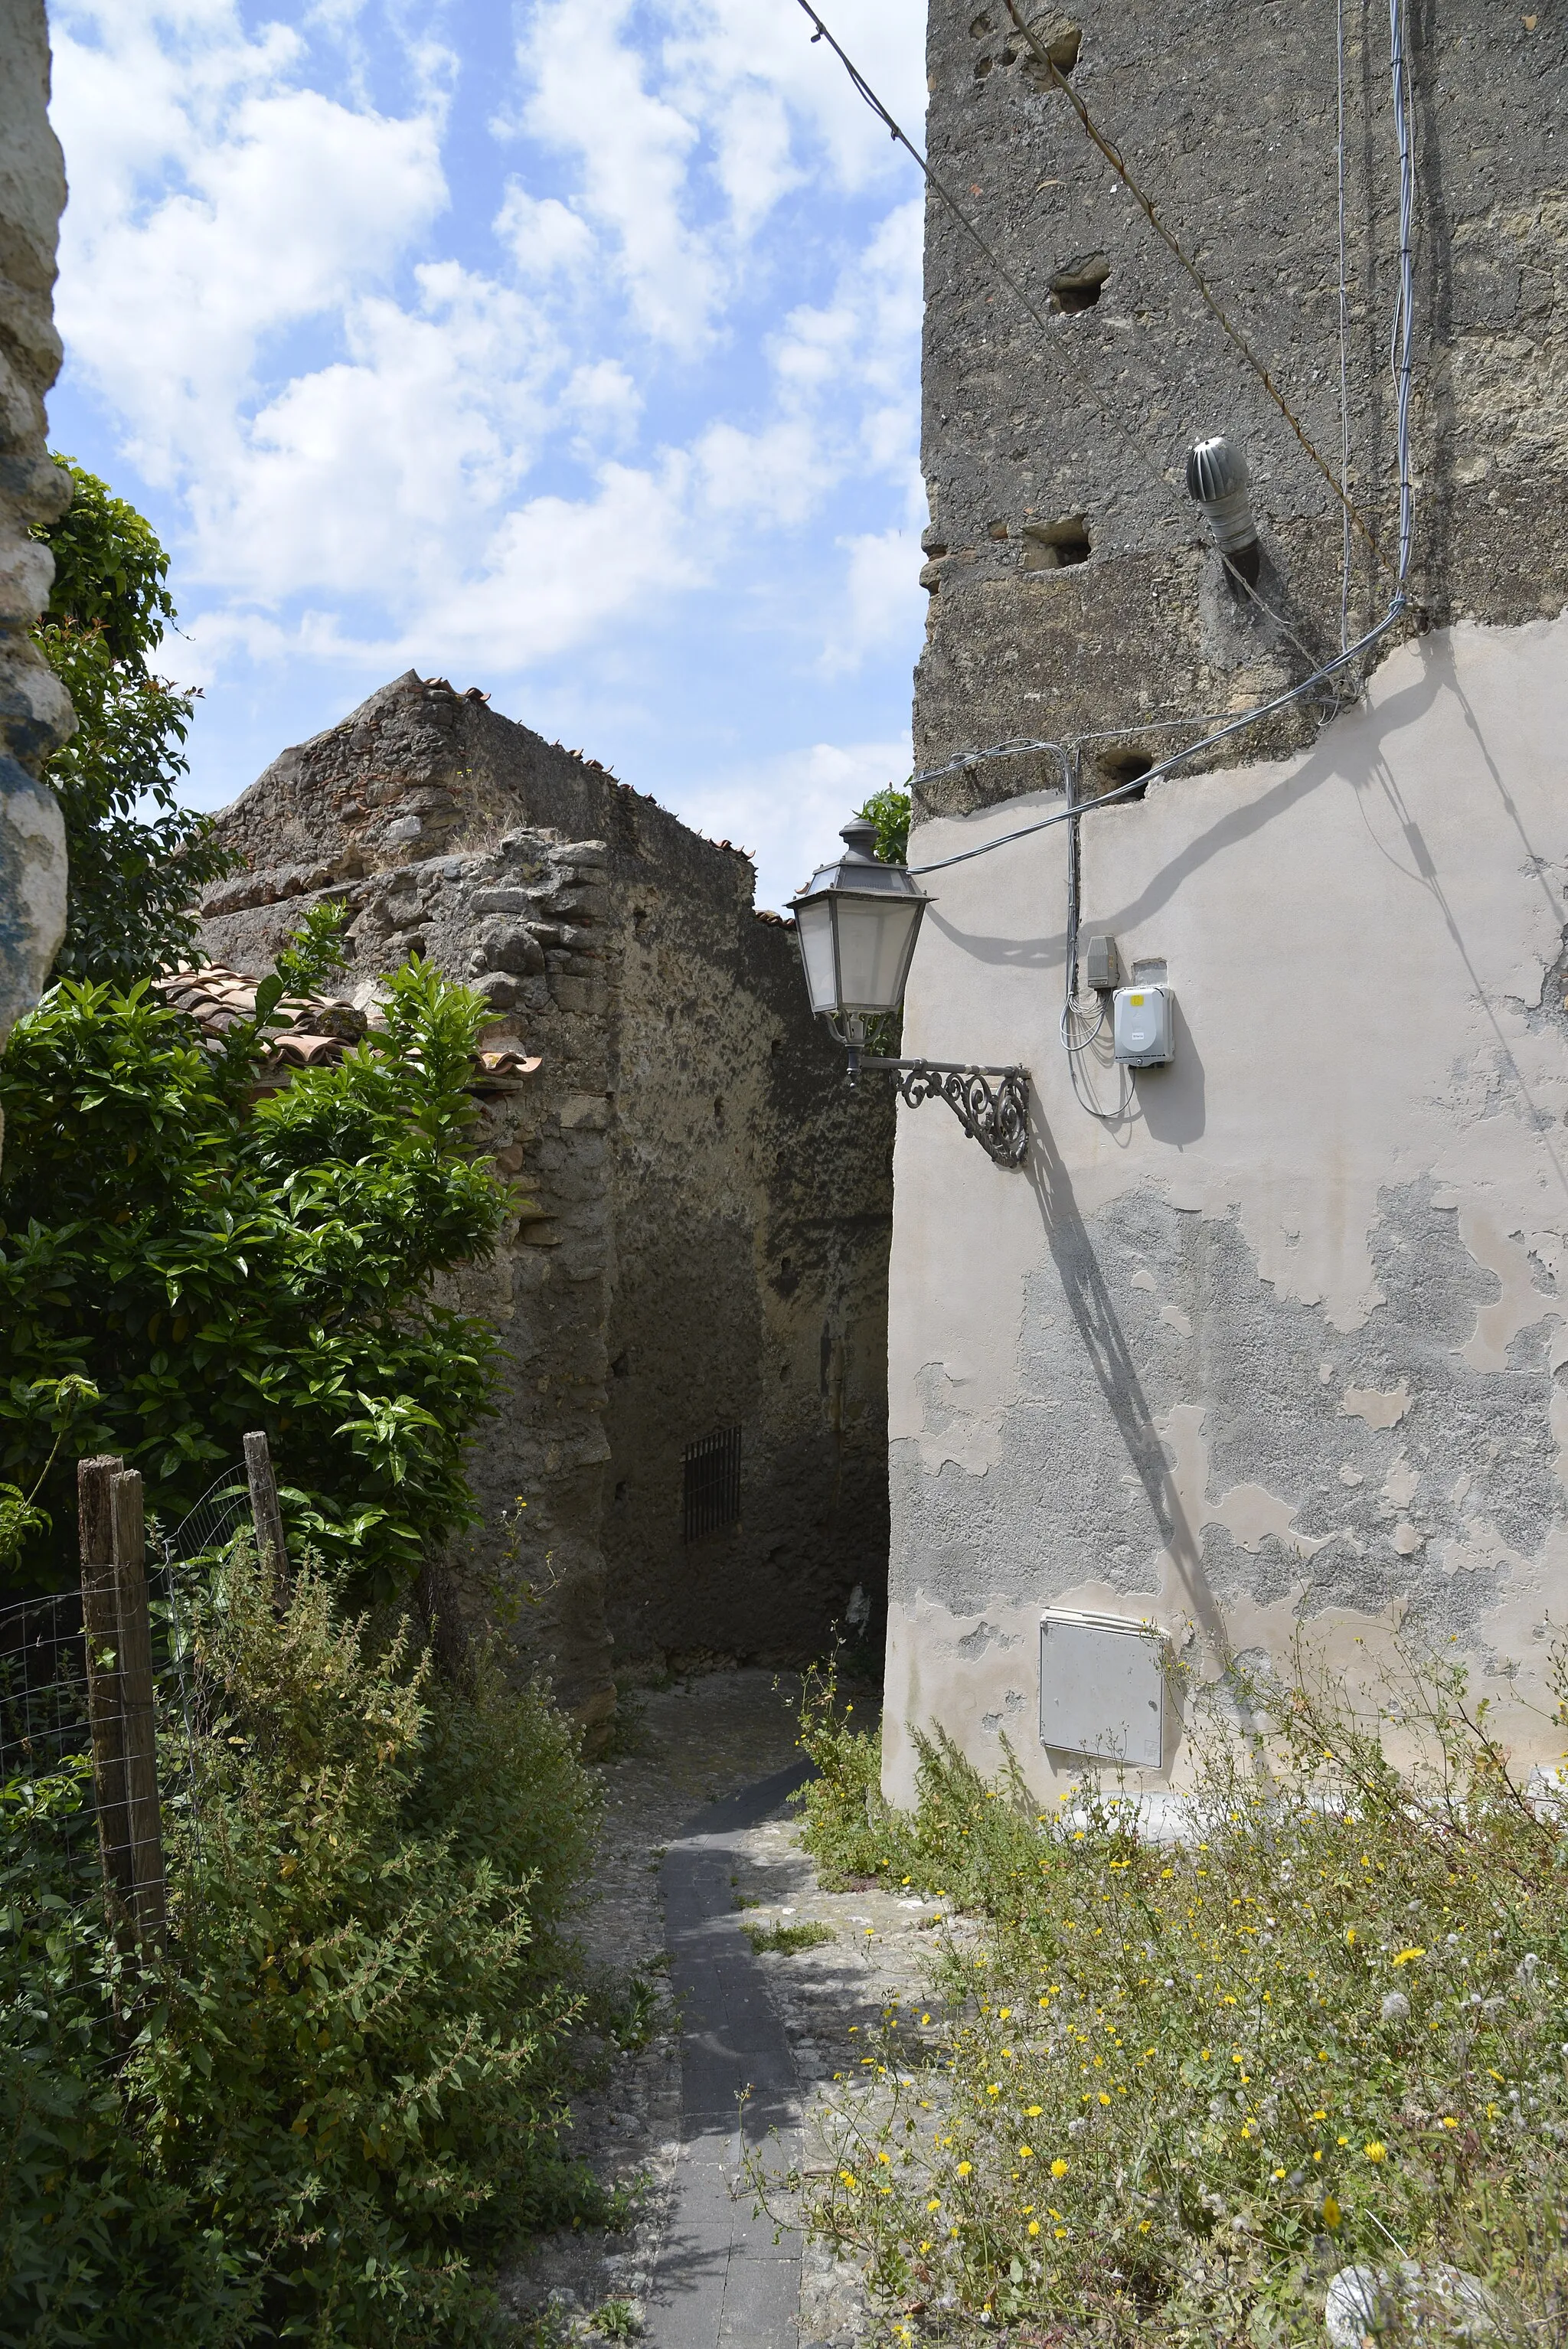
point(698, 1742)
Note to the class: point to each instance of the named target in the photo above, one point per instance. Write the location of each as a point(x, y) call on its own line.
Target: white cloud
point(787, 810)
point(606, 405)
point(233, 213)
point(510, 463)
point(883, 600)
point(372, 475)
point(544, 238)
point(557, 568)
point(589, 100)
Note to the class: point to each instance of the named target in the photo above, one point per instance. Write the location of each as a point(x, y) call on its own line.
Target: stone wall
point(752, 1196)
point(703, 1237)
point(1226, 112)
point(35, 713)
point(1267, 1344)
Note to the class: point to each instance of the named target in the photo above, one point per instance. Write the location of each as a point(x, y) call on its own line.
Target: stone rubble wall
point(702, 1229)
point(34, 712)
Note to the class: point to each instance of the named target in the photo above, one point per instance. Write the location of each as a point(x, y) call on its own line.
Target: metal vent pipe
point(1217, 480)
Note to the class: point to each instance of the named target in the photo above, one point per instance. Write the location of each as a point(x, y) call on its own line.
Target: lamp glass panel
point(875, 938)
point(815, 924)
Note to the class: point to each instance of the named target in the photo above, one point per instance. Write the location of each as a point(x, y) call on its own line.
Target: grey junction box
point(1102, 1689)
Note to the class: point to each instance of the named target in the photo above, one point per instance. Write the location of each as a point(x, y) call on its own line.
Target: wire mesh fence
point(99, 1702)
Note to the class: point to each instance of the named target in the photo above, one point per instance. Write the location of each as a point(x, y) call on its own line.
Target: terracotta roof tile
point(307, 1031)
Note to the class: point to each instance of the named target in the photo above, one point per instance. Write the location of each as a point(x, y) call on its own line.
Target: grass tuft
point(787, 1940)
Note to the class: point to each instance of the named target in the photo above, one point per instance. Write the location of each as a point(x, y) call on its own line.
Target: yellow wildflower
point(1375, 2151)
point(1058, 2168)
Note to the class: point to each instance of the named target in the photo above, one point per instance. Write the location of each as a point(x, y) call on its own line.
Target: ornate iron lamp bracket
point(992, 1105)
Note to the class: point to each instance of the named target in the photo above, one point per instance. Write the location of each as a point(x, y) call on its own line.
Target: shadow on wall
point(1089, 1300)
point(1240, 822)
point(1171, 1099)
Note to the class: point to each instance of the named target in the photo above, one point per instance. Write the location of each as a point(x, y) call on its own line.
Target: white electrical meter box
point(1102, 1689)
point(1143, 1024)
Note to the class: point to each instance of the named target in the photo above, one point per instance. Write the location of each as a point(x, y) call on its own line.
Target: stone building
point(688, 1455)
point(35, 713)
point(1269, 1339)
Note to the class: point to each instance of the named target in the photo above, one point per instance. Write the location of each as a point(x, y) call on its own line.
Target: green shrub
point(1161, 2093)
point(137, 860)
point(343, 2088)
point(212, 1268)
point(95, 2247)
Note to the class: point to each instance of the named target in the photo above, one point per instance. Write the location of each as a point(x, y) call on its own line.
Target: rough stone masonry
point(1073, 589)
point(34, 712)
point(688, 1453)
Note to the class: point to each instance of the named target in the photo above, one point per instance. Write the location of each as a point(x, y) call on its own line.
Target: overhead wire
point(1049, 322)
point(1344, 332)
point(1402, 361)
point(1145, 202)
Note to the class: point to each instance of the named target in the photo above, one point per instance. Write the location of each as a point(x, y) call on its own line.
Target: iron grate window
point(711, 1484)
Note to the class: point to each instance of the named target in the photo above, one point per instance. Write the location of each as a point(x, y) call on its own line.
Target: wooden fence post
point(100, 1628)
point(267, 1516)
point(144, 1823)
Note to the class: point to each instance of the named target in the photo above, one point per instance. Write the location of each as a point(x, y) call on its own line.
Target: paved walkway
point(721, 2278)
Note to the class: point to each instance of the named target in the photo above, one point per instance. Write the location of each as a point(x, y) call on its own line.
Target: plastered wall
point(1277, 1348)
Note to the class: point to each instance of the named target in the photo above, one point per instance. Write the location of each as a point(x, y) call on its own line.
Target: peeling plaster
point(1377, 1409)
point(1520, 1297)
point(1282, 1349)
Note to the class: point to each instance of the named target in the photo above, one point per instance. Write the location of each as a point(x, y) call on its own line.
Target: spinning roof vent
point(1218, 479)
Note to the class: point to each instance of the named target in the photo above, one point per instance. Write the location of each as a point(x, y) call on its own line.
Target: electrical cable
point(1140, 783)
point(1401, 361)
point(1044, 320)
point(1076, 1047)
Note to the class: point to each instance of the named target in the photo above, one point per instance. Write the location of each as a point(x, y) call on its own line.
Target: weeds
point(1161, 2094)
point(617, 2321)
point(965, 1841)
point(788, 1940)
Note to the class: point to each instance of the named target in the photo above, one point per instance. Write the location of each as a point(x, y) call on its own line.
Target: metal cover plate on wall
point(1102, 1689)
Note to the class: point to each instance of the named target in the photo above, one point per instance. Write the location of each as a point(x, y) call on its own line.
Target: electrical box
point(1102, 1689)
point(1143, 1024)
point(1104, 971)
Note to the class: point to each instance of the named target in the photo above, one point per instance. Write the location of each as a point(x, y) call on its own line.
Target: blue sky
point(568, 351)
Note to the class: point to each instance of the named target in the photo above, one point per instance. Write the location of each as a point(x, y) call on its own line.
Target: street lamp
point(857, 920)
